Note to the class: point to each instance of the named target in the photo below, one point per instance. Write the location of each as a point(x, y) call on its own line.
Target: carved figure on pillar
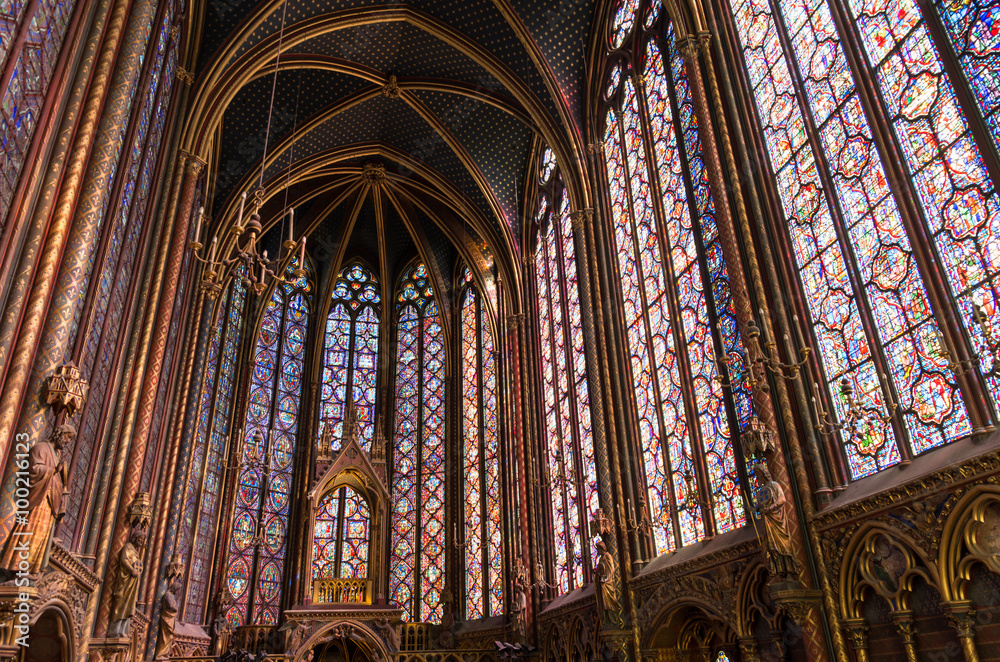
point(604, 578)
point(169, 606)
point(46, 472)
point(519, 601)
point(771, 510)
point(388, 633)
point(125, 591)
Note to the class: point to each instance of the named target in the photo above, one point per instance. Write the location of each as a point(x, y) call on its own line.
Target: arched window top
point(350, 357)
point(356, 288)
point(622, 21)
point(415, 287)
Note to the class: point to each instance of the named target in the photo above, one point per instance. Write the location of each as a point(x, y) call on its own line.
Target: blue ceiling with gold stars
point(479, 81)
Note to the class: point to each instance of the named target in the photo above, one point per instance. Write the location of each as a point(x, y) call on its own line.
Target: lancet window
point(215, 410)
point(417, 558)
point(350, 355)
point(677, 304)
point(571, 474)
point(258, 543)
point(885, 172)
point(481, 532)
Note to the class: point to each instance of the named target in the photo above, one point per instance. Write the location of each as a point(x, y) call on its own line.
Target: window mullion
point(418, 496)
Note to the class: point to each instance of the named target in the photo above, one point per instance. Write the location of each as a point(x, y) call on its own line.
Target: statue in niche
point(771, 510)
point(169, 606)
point(604, 577)
point(44, 475)
point(125, 587)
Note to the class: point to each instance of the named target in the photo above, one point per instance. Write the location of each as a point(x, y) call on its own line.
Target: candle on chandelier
point(197, 227)
point(243, 201)
point(302, 254)
point(291, 224)
point(215, 246)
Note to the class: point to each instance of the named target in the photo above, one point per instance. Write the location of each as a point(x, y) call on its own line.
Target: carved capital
point(904, 624)
point(962, 618)
point(857, 633)
point(185, 76)
point(193, 164)
point(581, 218)
point(596, 149)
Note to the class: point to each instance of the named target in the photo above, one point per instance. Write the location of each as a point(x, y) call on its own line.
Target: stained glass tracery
point(572, 474)
point(482, 535)
point(342, 535)
point(678, 309)
point(260, 519)
point(863, 282)
point(417, 571)
point(350, 355)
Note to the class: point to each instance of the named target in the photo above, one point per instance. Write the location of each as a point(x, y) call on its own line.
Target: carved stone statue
point(44, 474)
point(447, 637)
point(221, 630)
point(169, 606)
point(125, 589)
point(519, 600)
point(388, 633)
point(771, 508)
point(604, 575)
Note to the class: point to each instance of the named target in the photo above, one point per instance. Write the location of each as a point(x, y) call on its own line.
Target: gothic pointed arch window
point(416, 566)
point(342, 535)
point(677, 304)
point(879, 119)
point(482, 536)
point(572, 474)
point(258, 543)
point(350, 355)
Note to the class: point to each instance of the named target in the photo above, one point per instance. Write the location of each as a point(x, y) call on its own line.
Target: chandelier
point(242, 240)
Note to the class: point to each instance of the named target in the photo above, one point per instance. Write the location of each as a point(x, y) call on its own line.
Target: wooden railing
point(341, 590)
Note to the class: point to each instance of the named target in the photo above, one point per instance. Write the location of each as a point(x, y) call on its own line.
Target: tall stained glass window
point(350, 354)
point(215, 410)
point(341, 535)
point(482, 535)
point(113, 283)
point(677, 304)
point(866, 257)
point(258, 542)
point(416, 566)
point(572, 474)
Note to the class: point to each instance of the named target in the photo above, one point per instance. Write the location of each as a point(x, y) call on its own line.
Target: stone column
point(36, 274)
point(962, 618)
point(138, 414)
point(908, 632)
point(84, 239)
point(857, 634)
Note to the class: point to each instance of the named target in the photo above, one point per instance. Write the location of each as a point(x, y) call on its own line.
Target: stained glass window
point(201, 508)
point(572, 475)
point(350, 354)
point(257, 544)
point(111, 286)
point(341, 535)
point(871, 312)
point(677, 303)
point(482, 535)
point(25, 94)
point(416, 566)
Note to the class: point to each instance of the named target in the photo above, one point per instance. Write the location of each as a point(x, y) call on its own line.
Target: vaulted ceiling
point(451, 97)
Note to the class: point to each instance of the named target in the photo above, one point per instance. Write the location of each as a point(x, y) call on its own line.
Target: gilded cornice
point(696, 565)
point(977, 468)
